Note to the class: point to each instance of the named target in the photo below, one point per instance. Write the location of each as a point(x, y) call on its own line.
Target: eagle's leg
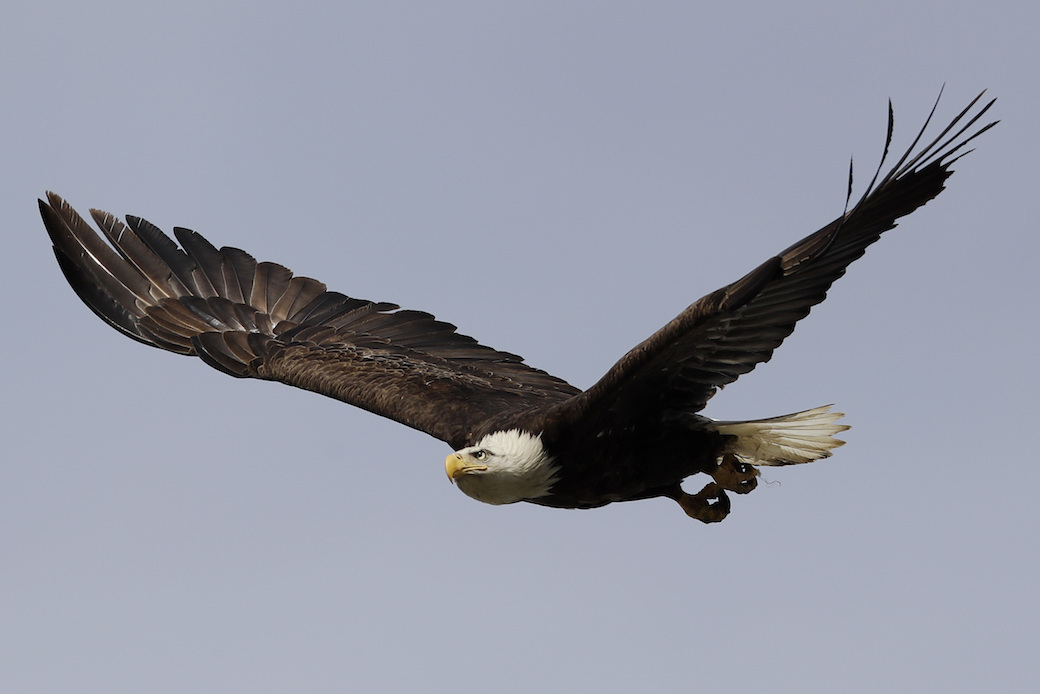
point(734, 476)
point(709, 505)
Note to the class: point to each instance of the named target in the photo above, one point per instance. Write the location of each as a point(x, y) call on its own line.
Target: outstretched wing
point(251, 319)
point(729, 332)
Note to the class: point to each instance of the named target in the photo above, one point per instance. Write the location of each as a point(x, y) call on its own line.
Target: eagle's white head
point(503, 468)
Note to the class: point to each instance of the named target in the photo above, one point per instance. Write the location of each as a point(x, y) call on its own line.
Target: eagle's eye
point(480, 456)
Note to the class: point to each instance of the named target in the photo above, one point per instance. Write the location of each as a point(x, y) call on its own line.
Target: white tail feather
point(801, 437)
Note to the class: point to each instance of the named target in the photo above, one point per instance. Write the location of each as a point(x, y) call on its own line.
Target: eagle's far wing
point(251, 319)
point(729, 332)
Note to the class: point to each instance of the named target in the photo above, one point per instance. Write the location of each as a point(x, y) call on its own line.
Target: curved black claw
point(709, 505)
point(734, 476)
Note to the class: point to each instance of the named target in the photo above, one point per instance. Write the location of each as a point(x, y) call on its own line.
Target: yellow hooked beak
point(456, 464)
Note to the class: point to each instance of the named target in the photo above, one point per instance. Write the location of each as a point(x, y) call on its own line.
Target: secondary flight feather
point(517, 432)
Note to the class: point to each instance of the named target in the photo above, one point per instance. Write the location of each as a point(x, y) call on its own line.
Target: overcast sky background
point(559, 179)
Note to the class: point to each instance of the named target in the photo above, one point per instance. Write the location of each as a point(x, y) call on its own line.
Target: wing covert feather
point(727, 333)
point(251, 319)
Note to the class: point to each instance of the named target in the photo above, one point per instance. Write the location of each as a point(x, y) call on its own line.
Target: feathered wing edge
point(730, 331)
point(258, 320)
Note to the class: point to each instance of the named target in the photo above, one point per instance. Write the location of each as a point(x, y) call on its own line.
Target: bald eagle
point(518, 433)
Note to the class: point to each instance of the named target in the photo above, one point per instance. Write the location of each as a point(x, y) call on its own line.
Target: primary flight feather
point(518, 433)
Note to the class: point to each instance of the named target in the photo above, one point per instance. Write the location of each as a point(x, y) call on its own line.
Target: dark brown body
point(602, 460)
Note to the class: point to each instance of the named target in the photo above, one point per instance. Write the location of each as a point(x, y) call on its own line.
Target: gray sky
point(558, 179)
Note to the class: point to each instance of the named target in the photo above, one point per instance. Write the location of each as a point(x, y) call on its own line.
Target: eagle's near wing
point(729, 332)
point(251, 319)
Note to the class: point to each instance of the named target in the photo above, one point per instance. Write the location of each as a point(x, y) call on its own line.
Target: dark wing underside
point(257, 320)
point(729, 332)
